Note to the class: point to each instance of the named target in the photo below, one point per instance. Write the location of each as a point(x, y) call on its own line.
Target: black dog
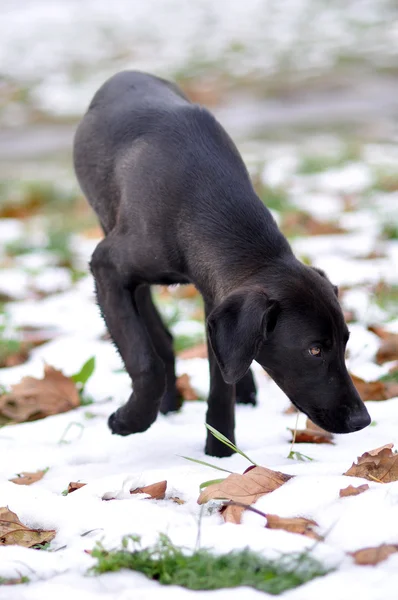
point(176, 204)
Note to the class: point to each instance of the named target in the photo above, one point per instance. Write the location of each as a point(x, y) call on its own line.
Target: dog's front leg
point(115, 285)
point(221, 406)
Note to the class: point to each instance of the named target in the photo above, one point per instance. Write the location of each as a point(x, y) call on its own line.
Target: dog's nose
point(359, 421)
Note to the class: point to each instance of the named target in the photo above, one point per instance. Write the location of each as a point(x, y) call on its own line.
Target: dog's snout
point(359, 421)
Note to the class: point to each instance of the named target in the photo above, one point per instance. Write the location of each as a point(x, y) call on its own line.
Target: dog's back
point(142, 128)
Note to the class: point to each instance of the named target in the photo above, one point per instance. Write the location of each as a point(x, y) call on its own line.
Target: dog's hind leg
point(246, 390)
point(221, 405)
point(162, 341)
point(116, 285)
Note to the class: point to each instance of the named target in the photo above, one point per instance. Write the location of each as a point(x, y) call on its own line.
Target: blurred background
point(308, 90)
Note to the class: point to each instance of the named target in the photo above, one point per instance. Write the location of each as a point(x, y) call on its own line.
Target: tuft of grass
point(386, 295)
point(81, 377)
point(390, 231)
point(392, 376)
point(274, 198)
point(317, 163)
point(202, 570)
point(183, 342)
point(14, 580)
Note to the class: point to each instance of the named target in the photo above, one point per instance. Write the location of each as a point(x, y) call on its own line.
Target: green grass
point(274, 198)
point(393, 376)
point(14, 581)
point(202, 570)
point(317, 163)
point(183, 342)
point(390, 231)
point(386, 296)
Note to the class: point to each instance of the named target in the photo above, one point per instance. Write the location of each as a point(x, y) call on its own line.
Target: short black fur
point(176, 204)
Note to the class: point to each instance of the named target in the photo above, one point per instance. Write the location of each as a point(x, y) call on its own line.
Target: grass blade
point(206, 484)
point(206, 464)
point(221, 438)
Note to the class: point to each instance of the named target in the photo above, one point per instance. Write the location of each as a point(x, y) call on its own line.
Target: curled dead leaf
point(294, 525)
point(379, 465)
point(375, 390)
point(246, 489)
point(26, 478)
point(33, 398)
point(157, 491)
point(311, 436)
point(353, 491)
point(75, 485)
point(13, 532)
point(389, 347)
point(374, 555)
point(184, 388)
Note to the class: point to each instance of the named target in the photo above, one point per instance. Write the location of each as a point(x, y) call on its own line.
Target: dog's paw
point(171, 402)
point(118, 425)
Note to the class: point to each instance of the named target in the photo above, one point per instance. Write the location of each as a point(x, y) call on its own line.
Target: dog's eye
point(315, 351)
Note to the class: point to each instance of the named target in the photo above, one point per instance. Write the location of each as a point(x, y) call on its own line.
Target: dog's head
point(295, 329)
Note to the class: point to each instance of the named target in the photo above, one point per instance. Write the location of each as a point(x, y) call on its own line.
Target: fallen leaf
point(389, 347)
point(187, 291)
point(38, 398)
point(290, 410)
point(294, 525)
point(75, 485)
point(301, 223)
point(379, 465)
point(311, 436)
point(375, 390)
point(376, 451)
point(156, 491)
point(198, 351)
point(247, 488)
point(353, 491)
point(184, 388)
point(177, 500)
point(13, 532)
point(26, 478)
point(375, 555)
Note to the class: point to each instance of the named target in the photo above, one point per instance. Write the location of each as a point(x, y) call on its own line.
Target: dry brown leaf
point(379, 465)
point(375, 390)
point(157, 491)
point(38, 398)
point(311, 436)
point(177, 500)
point(184, 388)
point(75, 485)
point(302, 223)
point(294, 525)
point(353, 491)
point(187, 291)
point(198, 351)
point(26, 478)
point(375, 555)
point(246, 488)
point(376, 451)
point(389, 347)
point(290, 410)
point(13, 532)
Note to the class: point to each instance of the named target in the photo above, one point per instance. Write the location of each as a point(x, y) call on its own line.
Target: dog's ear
point(236, 329)
point(323, 274)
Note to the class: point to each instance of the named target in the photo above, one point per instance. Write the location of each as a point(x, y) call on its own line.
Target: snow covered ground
point(56, 54)
point(77, 445)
